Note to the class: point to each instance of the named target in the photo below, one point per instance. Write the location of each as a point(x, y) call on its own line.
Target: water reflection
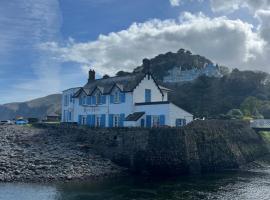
point(230, 185)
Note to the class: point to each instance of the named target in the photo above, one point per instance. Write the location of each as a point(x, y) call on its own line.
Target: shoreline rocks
point(29, 154)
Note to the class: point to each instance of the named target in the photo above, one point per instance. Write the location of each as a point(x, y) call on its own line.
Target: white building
point(177, 74)
point(134, 100)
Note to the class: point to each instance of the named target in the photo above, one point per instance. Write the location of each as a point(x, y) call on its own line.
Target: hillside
point(237, 95)
point(39, 108)
point(161, 64)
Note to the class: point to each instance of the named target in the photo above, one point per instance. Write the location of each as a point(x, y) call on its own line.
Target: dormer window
point(98, 98)
point(84, 100)
point(117, 97)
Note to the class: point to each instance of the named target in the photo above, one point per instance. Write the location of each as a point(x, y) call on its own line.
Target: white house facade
point(134, 100)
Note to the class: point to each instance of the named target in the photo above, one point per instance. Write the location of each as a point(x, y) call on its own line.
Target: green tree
point(235, 114)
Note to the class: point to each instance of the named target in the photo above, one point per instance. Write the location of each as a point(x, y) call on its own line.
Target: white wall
point(171, 112)
point(177, 113)
point(108, 108)
point(70, 107)
point(156, 109)
point(139, 91)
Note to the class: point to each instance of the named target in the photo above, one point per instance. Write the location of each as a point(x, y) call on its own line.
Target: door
point(142, 123)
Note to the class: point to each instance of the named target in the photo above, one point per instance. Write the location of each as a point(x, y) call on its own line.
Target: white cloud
point(24, 25)
point(233, 5)
point(175, 2)
point(228, 42)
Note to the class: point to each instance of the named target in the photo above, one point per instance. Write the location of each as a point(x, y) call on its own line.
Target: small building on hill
point(133, 100)
point(177, 74)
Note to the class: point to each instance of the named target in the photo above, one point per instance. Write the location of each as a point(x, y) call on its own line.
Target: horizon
point(49, 46)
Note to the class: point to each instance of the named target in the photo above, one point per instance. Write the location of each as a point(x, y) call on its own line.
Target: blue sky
point(48, 46)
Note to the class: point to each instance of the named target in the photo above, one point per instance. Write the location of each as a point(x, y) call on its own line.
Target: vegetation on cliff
point(247, 91)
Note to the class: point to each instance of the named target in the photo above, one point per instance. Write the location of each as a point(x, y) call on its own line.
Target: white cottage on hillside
point(134, 100)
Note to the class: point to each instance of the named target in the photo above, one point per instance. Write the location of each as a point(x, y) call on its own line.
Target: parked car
point(21, 122)
point(6, 122)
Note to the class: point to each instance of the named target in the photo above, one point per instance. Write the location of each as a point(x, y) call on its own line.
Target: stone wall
point(202, 146)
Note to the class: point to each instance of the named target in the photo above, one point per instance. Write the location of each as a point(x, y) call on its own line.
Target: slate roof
point(125, 83)
point(134, 116)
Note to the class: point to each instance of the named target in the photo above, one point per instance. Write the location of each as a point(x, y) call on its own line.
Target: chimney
point(146, 65)
point(92, 75)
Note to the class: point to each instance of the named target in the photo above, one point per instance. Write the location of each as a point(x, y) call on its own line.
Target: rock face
point(48, 152)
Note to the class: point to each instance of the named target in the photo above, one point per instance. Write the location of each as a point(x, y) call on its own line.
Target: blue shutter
point(123, 97)
point(122, 119)
point(88, 100)
point(103, 121)
point(93, 120)
point(80, 101)
point(88, 120)
point(93, 100)
point(110, 120)
point(162, 120)
point(103, 99)
point(111, 99)
point(148, 121)
point(79, 119)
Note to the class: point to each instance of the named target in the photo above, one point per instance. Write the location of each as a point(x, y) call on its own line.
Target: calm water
point(230, 185)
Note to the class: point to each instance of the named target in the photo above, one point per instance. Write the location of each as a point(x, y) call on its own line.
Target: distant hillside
point(39, 108)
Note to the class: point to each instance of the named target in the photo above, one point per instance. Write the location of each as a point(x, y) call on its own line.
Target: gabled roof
point(125, 84)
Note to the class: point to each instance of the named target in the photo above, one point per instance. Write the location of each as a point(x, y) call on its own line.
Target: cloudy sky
point(48, 46)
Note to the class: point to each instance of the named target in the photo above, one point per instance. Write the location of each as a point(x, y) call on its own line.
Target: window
point(98, 98)
point(180, 122)
point(98, 121)
point(84, 100)
point(69, 116)
point(65, 117)
point(155, 121)
point(147, 95)
point(116, 120)
point(117, 97)
point(65, 100)
point(83, 120)
point(71, 98)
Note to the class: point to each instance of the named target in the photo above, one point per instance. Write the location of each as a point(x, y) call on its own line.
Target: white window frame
point(98, 98)
point(84, 120)
point(66, 103)
point(84, 100)
point(98, 120)
point(116, 120)
point(116, 97)
point(155, 120)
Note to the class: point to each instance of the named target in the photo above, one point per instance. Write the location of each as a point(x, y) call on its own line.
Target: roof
point(164, 88)
point(134, 116)
point(125, 83)
point(152, 103)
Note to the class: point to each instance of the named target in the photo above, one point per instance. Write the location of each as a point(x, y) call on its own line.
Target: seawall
point(202, 146)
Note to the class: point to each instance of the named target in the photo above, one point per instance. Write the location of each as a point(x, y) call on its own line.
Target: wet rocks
point(30, 154)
